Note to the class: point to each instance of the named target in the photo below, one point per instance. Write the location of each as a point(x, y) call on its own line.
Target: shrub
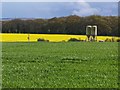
point(113, 40)
point(101, 41)
point(63, 41)
point(118, 40)
point(73, 39)
point(41, 40)
point(108, 40)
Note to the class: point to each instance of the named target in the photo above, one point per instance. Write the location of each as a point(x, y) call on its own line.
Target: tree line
point(107, 25)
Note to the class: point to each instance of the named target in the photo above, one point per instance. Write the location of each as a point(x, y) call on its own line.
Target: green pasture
point(60, 65)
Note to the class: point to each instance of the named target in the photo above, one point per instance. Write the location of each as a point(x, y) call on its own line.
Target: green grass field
point(60, 65)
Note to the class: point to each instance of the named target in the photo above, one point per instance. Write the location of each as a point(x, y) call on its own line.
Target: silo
point(88, 31)
point(94, 32)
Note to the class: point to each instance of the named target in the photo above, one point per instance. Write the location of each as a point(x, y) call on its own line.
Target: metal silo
point(94, 32)
point(88, 32)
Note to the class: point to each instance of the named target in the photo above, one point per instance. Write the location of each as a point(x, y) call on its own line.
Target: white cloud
point(85, 12)
point(84, 9)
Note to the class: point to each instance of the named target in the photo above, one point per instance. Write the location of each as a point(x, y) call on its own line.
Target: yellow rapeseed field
point(12, 37)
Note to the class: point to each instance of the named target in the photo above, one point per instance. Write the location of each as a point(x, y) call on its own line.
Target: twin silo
point(91, 32)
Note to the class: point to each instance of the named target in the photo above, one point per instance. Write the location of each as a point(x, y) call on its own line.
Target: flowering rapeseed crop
point(51, 37)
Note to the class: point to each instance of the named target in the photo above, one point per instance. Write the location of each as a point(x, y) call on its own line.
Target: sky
point(57, 9)
point(59, 0)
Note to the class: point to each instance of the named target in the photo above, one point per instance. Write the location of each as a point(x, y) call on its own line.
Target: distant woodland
point(107, 25)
